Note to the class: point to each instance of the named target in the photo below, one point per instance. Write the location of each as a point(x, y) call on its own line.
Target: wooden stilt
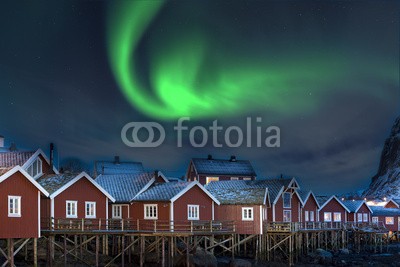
point(123, 251)
point(65, 250)
point(97, 250)
point(35, 258)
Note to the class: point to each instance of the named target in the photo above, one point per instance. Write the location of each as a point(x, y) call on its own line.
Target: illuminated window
point(287, 216)
point(359, 217)
point(212, 179)
point(234, 178)
point(193, 212)
point(90, 209)
point(389, 220)
point(306, 218)
point(35, 169)
point(150, 211)
point(116, 211)
point(337, 217)
point(71, 209)
point(246, 178)
point(327, 217)
point(311, 216)
point(365, 217)
point(14, 206)
point(287, 197)
point(247, 214)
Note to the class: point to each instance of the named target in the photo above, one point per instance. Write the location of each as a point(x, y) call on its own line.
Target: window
point(90, 209)
point(71, 209)
point(246, 178)
point(311, 216)
point(365, 217)
point(287, 200)
point(337, 217)
point(247, 214)
point(389, 220)
point(375, 219)
point(306, 218)
point(287, 215)
point(14, 206)
point(234, 178)
point(116, 211)
point(327, 217)
point(150, 211)
point(193, 212)
point(359, 217)
point(35, 169)
point(212, 179)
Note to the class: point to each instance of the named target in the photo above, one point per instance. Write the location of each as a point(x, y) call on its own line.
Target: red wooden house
point(74, 197)
point(388, 217)
point(391, 203)
point(209, 169)
point(242, 203)
point(124, 187)
point(20, 200)
point(309, 210)
point(359, 211)
point(179, 202)
point(332, 210)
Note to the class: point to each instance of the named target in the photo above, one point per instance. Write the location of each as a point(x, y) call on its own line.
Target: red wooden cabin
point(389, 217)
point(309, 210)
point(332, 210)
point(359, 211)
point(20, 204)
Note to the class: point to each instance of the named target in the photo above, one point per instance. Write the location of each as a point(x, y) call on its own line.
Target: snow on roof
point(237, 196)
point(53, 182)
point(322, 199)
point(304, 194)
point(381, 211)
point(352, 205)
point(124, 187)
point(162, 191)
point(12, 159)
point(223, 167)
point(111, 167)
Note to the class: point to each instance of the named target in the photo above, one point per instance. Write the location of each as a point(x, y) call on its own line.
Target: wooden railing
point(151, 226)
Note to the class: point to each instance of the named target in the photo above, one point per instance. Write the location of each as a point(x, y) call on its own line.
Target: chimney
point(1, 141)
point(233, 158)
point(209, 157)
point(13, 147)
point(116, 160)
point(51, 155)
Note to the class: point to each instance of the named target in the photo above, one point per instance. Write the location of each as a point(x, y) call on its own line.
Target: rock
point(202, 258)
point(344, 251)
point(240, 263)
point(323, 256)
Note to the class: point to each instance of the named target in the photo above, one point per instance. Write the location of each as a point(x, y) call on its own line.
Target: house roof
point(112, 168)
point(124, 187)
point(381, 211)
point(304, 195)
point(324, 200)
point(12, 159)
point(223, 167)
point(353, 205)
point(162, 191)
point(235, 196)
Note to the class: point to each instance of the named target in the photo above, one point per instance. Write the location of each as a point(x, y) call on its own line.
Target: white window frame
point(306, 216)
point(290, 215)
point(327, 218)
point(359, 217)
point(388, 222)
point(150, 211)
point(75, 203)
point(193, 212)
point(116, 211)
point(375, 219)
point(39, 168)
point(247, 214)
point(212, 179)
point(337, 214)
point(290, 200)
point(234, 178)
point(365, 217)
point(311, 216)
point(11, 211)
point(90, 216)
point(247, 179)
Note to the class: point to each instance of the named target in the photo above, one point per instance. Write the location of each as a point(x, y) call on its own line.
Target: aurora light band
point(195, 76)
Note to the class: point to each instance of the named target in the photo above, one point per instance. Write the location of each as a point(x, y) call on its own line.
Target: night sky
point(325, 72)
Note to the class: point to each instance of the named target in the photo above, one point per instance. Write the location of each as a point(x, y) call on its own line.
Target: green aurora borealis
point(191, 73)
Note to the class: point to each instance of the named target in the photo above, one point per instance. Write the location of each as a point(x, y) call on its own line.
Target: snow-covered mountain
point(386, 183)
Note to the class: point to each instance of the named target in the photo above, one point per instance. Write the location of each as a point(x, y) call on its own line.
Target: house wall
point(391, 227)
point(363, 209)
point(310, 205)
point(46, 169)
point(81, 191)
point(234, 213)
point(125, 209)
point(333, 206)
point(195, 196)
point(25, 226)
point(295, 208)
point(390, 204)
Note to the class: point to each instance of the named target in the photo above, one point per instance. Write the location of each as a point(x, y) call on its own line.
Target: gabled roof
point(355, 205)
point(304, 195)
point(329, 200)
point(27, 176)
point(112, 168)
point(223, 167)
point(170, 191)
point(322, 199)
point(381, 211)
point(57, 183)
point(242, 196)
point(38, 152)
point(124, 187)
point(12, 159)
point(394, 201)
